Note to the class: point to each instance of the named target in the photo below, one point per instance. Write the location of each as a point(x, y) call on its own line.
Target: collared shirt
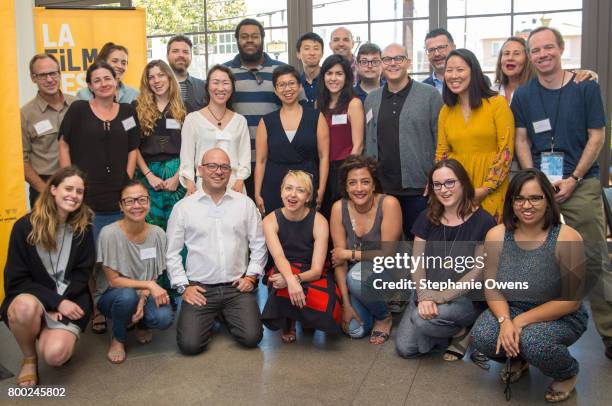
point(438, 84)
point(310, 90)
point(194, 95)
point(362, 94)
point(40, 125)
point(218, 237)
point(126, 94)
point(254, 96)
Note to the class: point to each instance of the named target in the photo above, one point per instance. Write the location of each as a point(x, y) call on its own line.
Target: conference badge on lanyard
point(552, 165)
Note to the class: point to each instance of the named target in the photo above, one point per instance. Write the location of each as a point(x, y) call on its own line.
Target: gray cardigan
point(418, 128)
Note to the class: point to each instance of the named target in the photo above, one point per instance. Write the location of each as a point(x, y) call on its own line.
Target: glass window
point(472, 7)
point(359, 31)
point(397, 9)
point(410, 33)
point(542, 5)
point(337, 11)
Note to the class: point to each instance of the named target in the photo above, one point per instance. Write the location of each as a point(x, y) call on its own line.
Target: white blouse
point(198, 135)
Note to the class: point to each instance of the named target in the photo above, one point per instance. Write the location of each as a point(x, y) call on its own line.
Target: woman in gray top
point(132, 254)
point(363, 215)
point(533, 274)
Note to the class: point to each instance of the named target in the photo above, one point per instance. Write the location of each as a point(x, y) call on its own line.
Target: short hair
point(98, 65)
point(304, 178)
point(179, 38)
point(367, 49)
point(526, 74)
point(249, 21)
point(108, 49)
point(552, 217)
point(281, 70)
point(309, 36)
point(131, 183)
point(558, 37)
point(437, 32)
point(353, 162)
point(478, 88)
point(232, 79)
point(435, 209)
point(41, 56)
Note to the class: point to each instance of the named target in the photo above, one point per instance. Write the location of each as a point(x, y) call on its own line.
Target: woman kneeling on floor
point(132, 254)
point(50, 258)
point(451, 227)
point(535, 325)
point(300, 288)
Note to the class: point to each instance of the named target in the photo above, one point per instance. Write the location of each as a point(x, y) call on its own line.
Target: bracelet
point(251, 279)
point(147, 173)
point(353, 254)
point(299, 278)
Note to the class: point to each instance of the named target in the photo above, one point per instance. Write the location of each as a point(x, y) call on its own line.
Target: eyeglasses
point(448, 184)
point(257, 76)
point(212, 167)
point(284, 85)
point(130, 201)
point(45, 75)
point(438, 49)
point(534, 200)
point(397, 59)
point(373, 62)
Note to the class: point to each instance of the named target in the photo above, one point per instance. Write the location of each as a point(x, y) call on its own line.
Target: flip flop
point(30, 377)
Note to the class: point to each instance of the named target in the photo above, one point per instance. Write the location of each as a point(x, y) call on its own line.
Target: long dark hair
point(478, 87)
point(435, 209)
point(552, 217)
point(232, 79)
point(346, 94)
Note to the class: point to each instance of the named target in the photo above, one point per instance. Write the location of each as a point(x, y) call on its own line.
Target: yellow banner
point(12, 187)
point(76, 36)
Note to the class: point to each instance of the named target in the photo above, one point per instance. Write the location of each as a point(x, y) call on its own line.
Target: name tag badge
point(339, 119)
point(172, 124)
point(61, 287)
point(148, 253)
point(552, 165)
point(43, 126)
point(369, 116)
point(128, 123)
point(216, 212)
point(542, 126)
point(223, 136)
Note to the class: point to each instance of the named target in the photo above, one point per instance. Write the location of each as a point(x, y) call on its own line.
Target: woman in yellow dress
point(476, 127)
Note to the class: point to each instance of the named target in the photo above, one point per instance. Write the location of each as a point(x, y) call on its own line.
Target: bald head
point(395, 49)
point(395, 66)
point(215, 155)
point(341, 42)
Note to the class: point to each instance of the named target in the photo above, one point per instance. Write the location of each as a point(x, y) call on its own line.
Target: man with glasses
point(560, 127)
point(226, 254)
point(342, 43)
point(401, 132)
point(310, 51)
point(438, 43)
point(369, 69)
point(40, 121)
point(252, 67)
point(178, 54)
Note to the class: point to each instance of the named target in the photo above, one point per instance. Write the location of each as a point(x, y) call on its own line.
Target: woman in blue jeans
point(362, 215)
point(132, 254)
point(451, 227)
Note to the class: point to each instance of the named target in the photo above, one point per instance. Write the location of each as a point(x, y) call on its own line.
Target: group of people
point(170, 197)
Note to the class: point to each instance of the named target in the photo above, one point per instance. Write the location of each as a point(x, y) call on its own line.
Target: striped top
point(254, 96)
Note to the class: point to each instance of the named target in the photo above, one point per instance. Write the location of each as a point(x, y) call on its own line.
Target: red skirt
point(323, 309)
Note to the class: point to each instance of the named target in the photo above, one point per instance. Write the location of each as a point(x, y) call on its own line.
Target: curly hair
point(358, 162)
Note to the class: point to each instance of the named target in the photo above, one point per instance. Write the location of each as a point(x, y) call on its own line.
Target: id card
point(128, 123)
point(43, 126)
point(339, 119)
point(369, 116)
point(223, 136)
point(61, 287)
point(542, 126)
point(172, 124)
point(148, 253)
point(552, 165)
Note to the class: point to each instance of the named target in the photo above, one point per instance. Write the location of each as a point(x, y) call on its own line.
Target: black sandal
point(97, 326)
point(458, 346)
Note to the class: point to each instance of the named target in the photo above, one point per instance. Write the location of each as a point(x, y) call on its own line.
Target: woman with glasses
point(537, 268)
point(132, 253)
point(216, 126)
point(161, 113)
point(300, 288)
point(291, 138)
point(476, 127)
point(452, 228)
point(345, 119)
point(364, 215)
point(51, 254)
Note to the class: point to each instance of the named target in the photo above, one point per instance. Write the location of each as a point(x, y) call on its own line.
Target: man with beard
point(342, 43)
point(179, 58)
point(254, 92)
point(438, 43)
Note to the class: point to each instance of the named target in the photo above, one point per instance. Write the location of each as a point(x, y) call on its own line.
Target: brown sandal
point(288, 335)
point(30, 377)
point(553, 396)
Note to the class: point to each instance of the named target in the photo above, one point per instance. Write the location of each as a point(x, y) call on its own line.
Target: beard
point(254, 57)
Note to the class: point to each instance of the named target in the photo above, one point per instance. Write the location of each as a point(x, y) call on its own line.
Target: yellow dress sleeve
point(504, 124)
point(443, 148)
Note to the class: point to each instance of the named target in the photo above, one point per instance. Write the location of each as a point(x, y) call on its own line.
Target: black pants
point(411, 206)
point(34, 193)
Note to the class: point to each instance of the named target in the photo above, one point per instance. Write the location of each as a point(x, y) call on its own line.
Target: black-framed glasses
point(284, 85)
point(130, 201)
point(533, 200)
point(387, 60)
point(213, 167)
point(45, 75)
point(257, 76)
point(373, 62)
point(448, 184)
point(438, 49)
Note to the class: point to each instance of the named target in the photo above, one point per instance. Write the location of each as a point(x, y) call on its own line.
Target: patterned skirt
point(323, 310)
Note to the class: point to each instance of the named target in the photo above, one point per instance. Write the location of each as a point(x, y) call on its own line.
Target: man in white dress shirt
point(219, 227)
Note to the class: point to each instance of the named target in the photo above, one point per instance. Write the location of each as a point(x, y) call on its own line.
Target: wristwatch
point(576, 178)
point(181, 289)
point(501, 319)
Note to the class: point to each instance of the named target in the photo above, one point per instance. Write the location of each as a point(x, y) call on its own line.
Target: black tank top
point(296, 237)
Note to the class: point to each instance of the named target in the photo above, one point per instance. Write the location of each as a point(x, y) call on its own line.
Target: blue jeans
point(367, 310)
point(104, 218)
point(119, 304)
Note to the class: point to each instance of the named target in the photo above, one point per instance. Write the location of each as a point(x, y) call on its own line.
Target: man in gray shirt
point(179, 58)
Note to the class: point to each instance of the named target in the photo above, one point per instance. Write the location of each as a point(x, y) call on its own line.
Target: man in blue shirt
point(438, 44)
point(310, 51)
point(369, 68)
point(555, 114)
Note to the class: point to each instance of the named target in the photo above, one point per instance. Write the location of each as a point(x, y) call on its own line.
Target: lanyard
point(552, 130)
point(107, 145)
point(54, 269)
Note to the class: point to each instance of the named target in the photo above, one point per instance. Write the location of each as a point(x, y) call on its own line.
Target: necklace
point(365, 211)
point(448, 265)
point(217, 118)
